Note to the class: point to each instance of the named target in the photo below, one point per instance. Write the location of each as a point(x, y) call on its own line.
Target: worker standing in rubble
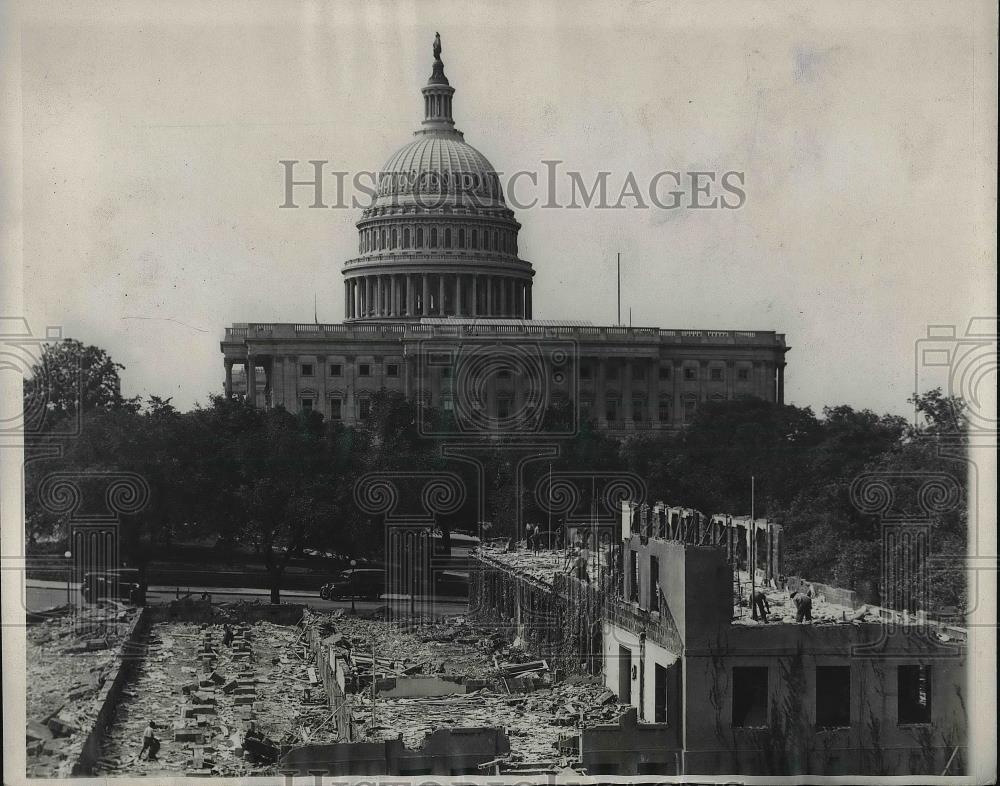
point(578, 567)
point(803, 606)
point(760, 605)
point(150, 742)
point(227, 635)
point(536, 539)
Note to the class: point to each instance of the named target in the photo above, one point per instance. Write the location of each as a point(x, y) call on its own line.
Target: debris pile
point(534, 722)
point(449, 646)
point(504, 687)
point(69, 657)
point(540, 565)
point(222, 703)
point(783, 609)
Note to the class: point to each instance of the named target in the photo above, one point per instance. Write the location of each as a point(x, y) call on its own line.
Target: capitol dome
point(438, 239)
point(440, 163)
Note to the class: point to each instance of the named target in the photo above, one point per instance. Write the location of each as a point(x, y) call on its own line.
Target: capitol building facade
point(438, 306)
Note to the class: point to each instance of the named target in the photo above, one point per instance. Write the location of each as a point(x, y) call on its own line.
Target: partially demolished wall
point(564, 627)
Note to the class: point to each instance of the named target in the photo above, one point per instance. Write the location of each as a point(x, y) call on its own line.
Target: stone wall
point(110, 694)
point(443, 752)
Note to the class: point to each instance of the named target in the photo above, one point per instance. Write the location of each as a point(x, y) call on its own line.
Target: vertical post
point(549, 506)
point(373, 684)
point(619, 322)
point(753, 552)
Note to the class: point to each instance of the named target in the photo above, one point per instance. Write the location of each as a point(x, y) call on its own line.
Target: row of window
point(389, 238)
point(364, 407)
point(833, 696)
point(715, 373)
point(337, 369)
point(612, 407)
point(751, 696)
point(638, 372)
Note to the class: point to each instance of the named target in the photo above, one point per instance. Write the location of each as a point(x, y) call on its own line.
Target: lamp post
point(353, 610)
point(69, 577)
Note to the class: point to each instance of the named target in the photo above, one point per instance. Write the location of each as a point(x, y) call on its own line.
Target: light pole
point(69, 577)
point(353, 610)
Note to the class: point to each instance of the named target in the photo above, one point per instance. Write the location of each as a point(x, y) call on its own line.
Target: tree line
point(279, 482)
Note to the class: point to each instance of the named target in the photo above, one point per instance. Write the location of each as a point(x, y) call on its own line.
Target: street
point(41, 595)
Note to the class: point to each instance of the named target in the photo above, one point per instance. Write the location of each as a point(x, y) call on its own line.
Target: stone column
point(268, 366)
point(626, 375)
point(475, 295)
point(489, 296)
point(440, 307)
point(458, 294)
point(368, 297)
point(323, 392)
point(528, 300)
point(229, 377)
point(251, 376)
point(677, 378)
point(730, 379)
point(425, 302)
point(781, 383)
point(503, 296)
point(349, 413)
point(600, 391)
point(411, 297)
point(652, 390)
point(347, 300)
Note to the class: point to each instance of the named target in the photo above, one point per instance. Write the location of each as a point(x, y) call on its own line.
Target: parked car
point(355, 583)
point(100, 585)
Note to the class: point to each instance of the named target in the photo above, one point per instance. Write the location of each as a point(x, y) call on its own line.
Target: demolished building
point(858, 690)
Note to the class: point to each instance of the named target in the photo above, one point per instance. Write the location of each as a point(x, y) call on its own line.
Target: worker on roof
point(760, 605)
point(803, 606)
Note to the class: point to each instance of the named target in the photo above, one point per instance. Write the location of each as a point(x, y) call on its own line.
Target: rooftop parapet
point(452, 328)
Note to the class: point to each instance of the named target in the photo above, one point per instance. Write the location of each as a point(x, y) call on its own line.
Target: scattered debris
point(69, 653)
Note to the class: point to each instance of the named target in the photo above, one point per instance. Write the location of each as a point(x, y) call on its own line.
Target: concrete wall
point(202, 611)
point(874, 743)
point(456, 751)
point(645, 657)
point(110, 694)
point(631, 748)
point(695, 583)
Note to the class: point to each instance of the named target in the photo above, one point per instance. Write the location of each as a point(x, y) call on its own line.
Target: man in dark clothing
point(761, 608)
point(578, 568)
point(803, 606)
point(227, 635)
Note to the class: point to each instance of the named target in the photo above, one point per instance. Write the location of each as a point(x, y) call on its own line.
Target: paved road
point(40, 595)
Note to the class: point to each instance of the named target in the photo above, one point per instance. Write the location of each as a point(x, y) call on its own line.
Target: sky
point(149, 137)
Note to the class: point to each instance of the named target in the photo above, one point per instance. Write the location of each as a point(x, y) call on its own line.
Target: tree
point(71, 378)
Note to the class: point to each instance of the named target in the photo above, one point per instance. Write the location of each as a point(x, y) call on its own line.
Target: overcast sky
point(152, 133)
